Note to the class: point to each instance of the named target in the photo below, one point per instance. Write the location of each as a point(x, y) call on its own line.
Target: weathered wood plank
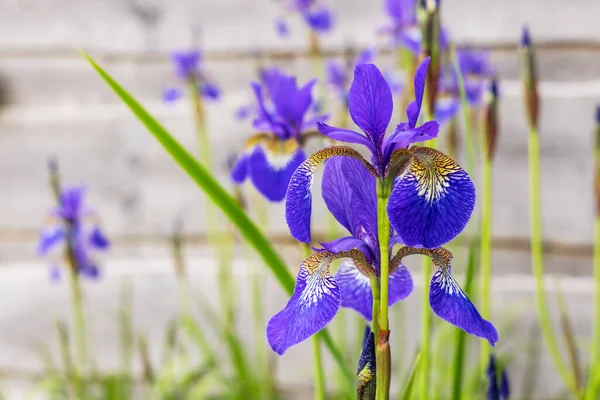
point(139, 25)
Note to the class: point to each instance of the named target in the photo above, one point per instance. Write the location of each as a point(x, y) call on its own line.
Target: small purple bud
point(525, 40)
point(282, 27)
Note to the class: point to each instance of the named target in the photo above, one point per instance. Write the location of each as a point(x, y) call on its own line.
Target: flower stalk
point(382, 348)
point(537, 257)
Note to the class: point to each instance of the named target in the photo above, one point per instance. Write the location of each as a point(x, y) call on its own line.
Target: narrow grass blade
point(408, 388)
point(219, 195)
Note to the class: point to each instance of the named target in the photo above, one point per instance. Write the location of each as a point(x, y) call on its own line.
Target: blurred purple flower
point(188, 69)
point(72, 229)
point(317, 16)
point(476, 69)
point(337, 73)
point(282, 118)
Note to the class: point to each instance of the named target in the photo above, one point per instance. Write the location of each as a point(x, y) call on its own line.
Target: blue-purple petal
point(319, 19)
point(210, 91)
point(402, 139)
point(345, 135)
point(239, 172)
point(355, 290)
point(432, 201)
point(419, 84)
point(271, 173)
point(370, 101)
point(345, 244)
point(172, 94)
point(98, 239)
point(449, 302)
point(314, 303)
point(281, 27)
point(50, 237)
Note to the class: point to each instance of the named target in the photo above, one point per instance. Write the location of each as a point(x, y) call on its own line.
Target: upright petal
point(356, 288)
point(303, 101)
point(314, 303)
point(370, 101)
point(432, 200)
point(450, 303)
point(298, 204)
point(414, 108)
point(271, 167)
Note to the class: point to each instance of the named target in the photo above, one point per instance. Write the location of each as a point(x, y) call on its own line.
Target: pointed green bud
point(529, 77)
point(365, 373)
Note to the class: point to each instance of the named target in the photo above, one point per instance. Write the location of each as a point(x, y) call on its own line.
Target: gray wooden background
point(53, 105)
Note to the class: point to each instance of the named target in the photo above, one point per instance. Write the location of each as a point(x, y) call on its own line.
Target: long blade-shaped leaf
point(220, 197)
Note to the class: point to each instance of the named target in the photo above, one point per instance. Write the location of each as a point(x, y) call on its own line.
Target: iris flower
point(272, 155)
point(189, 70)
point(71, 228)
point(316, 15)
point(476, 69)
point(430, 202)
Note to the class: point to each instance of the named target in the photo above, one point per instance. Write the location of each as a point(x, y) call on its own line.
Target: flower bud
point(489, 118)
point(529, 77)
point(365, 373)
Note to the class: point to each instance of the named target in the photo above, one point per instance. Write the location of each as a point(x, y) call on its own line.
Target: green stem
point(383, 355)
point(486, 244)
point(425, 332)
point(593, 386)
point(78, 321)
point(537, 261)
point(318, 366)
point(375, 293)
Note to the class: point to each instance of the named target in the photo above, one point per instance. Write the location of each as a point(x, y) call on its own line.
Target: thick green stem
point(593, 386)
point(425, 332)
point(486, 244)
point(537, 261)
point(78, 321)
point(383, 354)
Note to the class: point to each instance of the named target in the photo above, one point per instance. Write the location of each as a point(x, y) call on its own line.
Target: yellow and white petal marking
point(432, 199)
point(299, 197)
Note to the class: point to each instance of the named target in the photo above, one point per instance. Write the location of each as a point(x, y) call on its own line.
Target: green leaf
point(220, 197)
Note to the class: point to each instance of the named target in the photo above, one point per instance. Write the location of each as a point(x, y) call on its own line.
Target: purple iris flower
point(495, 391)
point(476, 69)
point(430, 202)
point(316, 15)
point(188, 69)
point(82, 238)
point(272, 156)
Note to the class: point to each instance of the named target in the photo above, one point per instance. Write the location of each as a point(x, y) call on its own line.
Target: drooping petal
point(239, 172)
point(271, 168)
point(337, 194)
point(54, 273)
point(172, 94)
point(450, 303)
point(50, 237)
point(314, 303)
point(345, 135)
point(370, 101)
point(414, 108)
point(210, 91)
point(432, 200)
point(400, 285)
point(98, 240)
point(298, 204)
point(355, 290)
point(446, 107)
